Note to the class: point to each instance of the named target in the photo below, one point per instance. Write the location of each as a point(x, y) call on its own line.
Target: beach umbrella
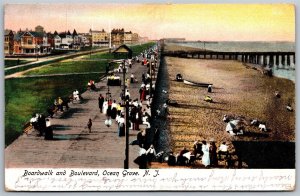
point(231, 125)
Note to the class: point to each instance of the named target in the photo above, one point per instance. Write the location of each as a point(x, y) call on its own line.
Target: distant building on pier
point(174, 39)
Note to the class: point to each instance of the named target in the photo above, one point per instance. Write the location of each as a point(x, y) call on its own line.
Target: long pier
point(266, 59)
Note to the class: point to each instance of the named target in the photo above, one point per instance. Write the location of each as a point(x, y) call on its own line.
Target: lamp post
point(126, 161)
point(124, 81)
point(150, 89)
point(108, 94)
point(126, 105)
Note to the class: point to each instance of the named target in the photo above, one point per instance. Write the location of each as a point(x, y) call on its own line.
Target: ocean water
point(242, 46)
point(250, 47)
point(285, 73)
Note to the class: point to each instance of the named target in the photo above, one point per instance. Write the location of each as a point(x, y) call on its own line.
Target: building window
point(29, 41)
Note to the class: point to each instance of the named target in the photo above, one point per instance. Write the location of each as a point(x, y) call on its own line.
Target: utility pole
point(126, 161)
point(150, 89)
point(124, 81)
point(126, 105)
point(109, 37)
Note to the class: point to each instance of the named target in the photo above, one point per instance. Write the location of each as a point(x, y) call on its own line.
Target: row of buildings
point(117, 37)
point(38, 42)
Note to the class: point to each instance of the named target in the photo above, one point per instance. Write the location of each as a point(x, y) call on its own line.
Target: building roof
point(75, 33)
point(17, 36)
point(39, 26)
point(37, 34)
point(64, 34)
point(123, 49)
point(50, 35)
point(97, 31)
point(7, 31)
point(117, 31)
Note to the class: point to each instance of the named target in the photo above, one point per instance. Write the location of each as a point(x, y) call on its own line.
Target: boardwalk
point(73, 146)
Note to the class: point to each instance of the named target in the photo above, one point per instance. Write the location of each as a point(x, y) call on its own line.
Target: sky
point(205, 22)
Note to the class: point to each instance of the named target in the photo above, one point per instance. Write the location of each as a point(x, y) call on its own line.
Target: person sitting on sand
point(262, 127)
point(289, 108)
point(151, 154)
point(89, 125)
point(197, 148)
point(141, 160)
point(182, 160)
point(171, 159)
point(223, 150)
point(277, 94)
point(208, 99)
point(225, 118)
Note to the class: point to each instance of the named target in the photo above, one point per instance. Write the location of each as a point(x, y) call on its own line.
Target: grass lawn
point(70, 67)
point(137, 49)
point(101, 55)
point(26, 96)
point(14, 62)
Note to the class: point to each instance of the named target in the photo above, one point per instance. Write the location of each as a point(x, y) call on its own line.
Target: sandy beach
point(237, 91)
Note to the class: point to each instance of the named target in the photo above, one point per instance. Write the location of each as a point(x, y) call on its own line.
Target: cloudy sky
point(206, 22)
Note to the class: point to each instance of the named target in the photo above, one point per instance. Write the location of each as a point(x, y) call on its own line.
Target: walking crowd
point(139, 103)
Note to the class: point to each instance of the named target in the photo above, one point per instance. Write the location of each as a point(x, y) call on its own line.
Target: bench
point(27, 127)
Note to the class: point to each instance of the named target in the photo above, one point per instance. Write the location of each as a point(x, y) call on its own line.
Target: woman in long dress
point(114, 110)
point(105, 106)
point(121, 126)
point(205, 157)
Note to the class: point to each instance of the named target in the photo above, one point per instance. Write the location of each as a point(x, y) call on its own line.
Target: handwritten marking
point(117, 179)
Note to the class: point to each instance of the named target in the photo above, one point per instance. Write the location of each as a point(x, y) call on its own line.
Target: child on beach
point(89, 125)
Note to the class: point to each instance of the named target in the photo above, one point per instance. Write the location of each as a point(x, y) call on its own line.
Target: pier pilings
point(276, 59)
